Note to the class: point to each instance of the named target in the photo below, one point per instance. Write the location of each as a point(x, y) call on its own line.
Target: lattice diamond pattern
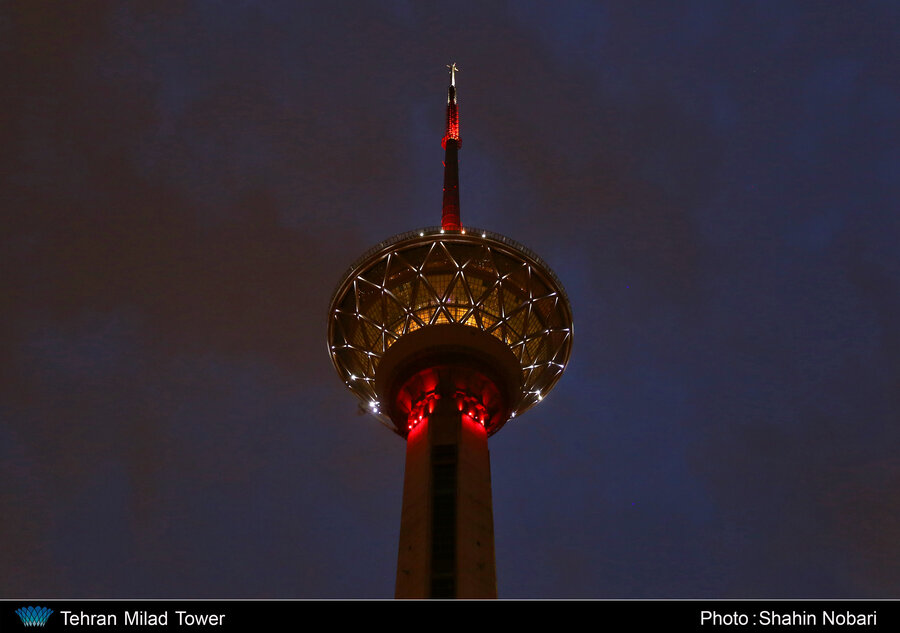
point(479, 282)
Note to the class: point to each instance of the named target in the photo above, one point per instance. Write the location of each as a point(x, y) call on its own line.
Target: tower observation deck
point(446, 333)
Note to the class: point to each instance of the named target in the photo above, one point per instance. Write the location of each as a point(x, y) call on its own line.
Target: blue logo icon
point(34, 616)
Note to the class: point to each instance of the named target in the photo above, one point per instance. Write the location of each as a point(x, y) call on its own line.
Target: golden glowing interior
point(451, 279)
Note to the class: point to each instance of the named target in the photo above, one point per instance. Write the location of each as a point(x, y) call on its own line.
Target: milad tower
point(445, 333)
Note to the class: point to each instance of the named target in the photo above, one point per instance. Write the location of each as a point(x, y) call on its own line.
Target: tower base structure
point(447, 525)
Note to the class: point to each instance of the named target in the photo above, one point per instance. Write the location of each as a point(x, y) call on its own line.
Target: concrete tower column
point(447, 525)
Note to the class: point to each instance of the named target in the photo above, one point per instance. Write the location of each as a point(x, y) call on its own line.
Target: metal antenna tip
point(453, 71)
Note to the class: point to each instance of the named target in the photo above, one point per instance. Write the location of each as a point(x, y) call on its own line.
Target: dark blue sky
point(715, 183)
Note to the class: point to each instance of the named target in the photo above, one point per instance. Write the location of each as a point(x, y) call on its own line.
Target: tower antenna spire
point(451, 143)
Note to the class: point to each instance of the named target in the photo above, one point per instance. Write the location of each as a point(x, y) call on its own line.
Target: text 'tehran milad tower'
point(445, 333)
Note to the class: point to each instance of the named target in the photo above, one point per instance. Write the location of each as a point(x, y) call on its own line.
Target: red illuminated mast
point(451, 144)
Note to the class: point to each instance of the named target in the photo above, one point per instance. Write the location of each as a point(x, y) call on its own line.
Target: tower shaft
point(447, 525)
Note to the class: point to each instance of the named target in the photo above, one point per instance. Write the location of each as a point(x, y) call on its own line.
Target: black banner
point(233, 615)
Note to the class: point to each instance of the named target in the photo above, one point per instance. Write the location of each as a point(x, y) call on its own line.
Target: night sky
point(715, 183)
